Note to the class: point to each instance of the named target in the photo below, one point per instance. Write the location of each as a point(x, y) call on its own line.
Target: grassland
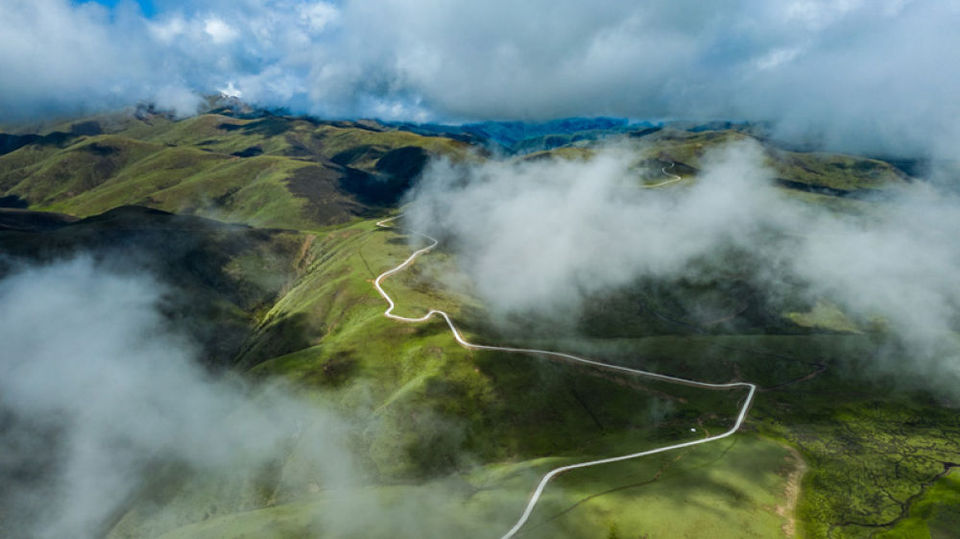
point(723, 490)
point(440, 426)
point(869, 452)
point(269, 171)
point(279, 171)
point(451, 440)
point(826, 178)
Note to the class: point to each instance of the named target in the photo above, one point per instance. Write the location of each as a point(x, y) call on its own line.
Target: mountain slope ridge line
point(576, 359)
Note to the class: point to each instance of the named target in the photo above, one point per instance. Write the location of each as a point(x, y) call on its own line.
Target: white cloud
point(219, 31)
point(319, 15)
point(828, 70)
point(540, 237)
point(177, 98)
point(101, 391)
point(167, 30)
point(230, 91)
point(101, 401)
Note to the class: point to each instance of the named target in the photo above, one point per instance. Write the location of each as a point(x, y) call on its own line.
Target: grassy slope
point(403, 382)
point(844, 429)
point(835, 171)
point(406, 380)
point(428, 407)
point(724, 490)
point(189, 166)
point(815, 170)
point(870, 445)
point(427, 366)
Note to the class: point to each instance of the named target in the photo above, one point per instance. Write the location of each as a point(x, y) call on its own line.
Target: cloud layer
point(97, 399)
point(110, 424)
point(544, 236)
point(857, 74)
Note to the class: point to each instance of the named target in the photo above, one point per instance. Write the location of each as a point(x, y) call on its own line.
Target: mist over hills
point(392, 269)
point(232, 254)
point(338, 167)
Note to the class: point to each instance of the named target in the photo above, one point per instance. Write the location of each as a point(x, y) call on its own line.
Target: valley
point(266, 233)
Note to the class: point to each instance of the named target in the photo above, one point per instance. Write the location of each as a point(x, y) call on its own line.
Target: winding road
point(568, 357)
point(673, 177)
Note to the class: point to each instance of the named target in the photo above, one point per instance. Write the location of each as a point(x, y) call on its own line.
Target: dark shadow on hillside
point(100, 150)
point(644, 132)
point(269, 126)
point(32, 221)
point(392, 177)
point(252, 151)
point(9, 142)
point(319, 185)
point(281, 337)
point(189, 255)
point(14, 201)
point(351, 155)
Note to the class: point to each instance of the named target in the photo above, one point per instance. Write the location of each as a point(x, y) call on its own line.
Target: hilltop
point(266, 170)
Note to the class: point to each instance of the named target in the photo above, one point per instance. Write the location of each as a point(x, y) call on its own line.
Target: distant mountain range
point(515, 137)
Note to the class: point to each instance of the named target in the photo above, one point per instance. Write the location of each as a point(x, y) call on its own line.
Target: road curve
point(673, 177)
point(557, 471)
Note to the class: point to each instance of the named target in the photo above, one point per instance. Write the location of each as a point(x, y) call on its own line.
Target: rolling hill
point(264, 227)
point(269, 171)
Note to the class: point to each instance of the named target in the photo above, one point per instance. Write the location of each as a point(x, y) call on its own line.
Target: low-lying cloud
point(541, 237)
point(545, 234)
point(98, 400)
point(111, 425)
point(872, 76)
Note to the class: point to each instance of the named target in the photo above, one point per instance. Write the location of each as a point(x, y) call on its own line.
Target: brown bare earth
point(788, 508)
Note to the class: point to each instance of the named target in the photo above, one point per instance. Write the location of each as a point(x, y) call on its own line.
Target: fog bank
point(100, 403)
point(540, 237)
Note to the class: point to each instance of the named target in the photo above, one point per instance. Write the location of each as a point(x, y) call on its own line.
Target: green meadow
point(450, 442)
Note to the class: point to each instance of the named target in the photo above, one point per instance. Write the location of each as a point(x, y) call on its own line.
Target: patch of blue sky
point(146, 6)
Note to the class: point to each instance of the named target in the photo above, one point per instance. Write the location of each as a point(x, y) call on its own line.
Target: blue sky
point(146, 6)
point(878, 73)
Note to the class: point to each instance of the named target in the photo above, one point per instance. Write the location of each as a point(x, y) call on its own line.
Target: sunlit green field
point(733, 488)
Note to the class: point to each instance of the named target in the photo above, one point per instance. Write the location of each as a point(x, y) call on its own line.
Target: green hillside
point(451, 441)
point(809, 175)
point(269, 171)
